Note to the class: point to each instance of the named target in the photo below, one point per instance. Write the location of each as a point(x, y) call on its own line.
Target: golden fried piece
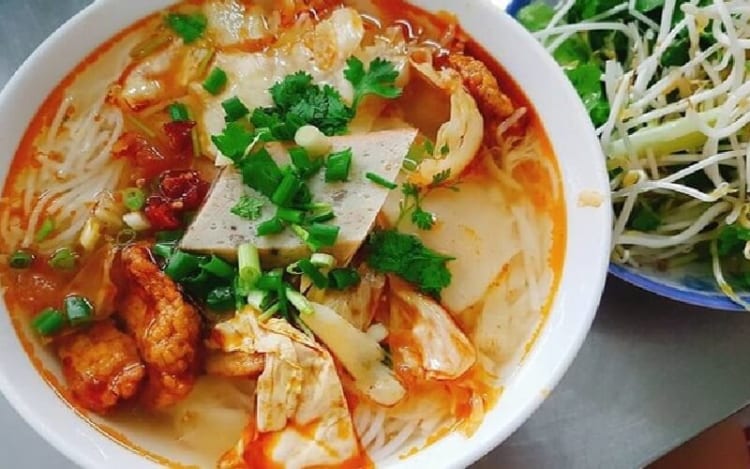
point(165, 326)
point(101, 365)
point(482, 85)
point(234, 364)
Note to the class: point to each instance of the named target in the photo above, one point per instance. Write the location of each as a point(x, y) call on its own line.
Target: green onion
point(151, 44)
point(169, 236)
point(305, 166)
point(221, 298)
point(285, 192)
point(218, 267)
point(164, 250)
point(325, 261)
point(181, 265)
point(188, 27)
point(48, 322)
point(299, 301)
point(216, 81)
point(338, 165)
point(133, 198)
point(270, 227)
point(290, 215)
point(257, 298)
point(249, 264)
point(341, 279)
point(320, 213)
point(78, 310)
point(410, 165)
point(270, 281)
point(234, 109)
point(323, 235)
point(312, 272)
point(63, 259)
point(48, 226)
point(269, 313)
point(381, 181)
point(20, 260)
point(178, 112)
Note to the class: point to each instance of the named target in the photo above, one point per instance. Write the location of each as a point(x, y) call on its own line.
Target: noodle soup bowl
point(525, 385)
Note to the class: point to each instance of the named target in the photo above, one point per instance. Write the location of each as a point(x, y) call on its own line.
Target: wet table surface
point(651, 374)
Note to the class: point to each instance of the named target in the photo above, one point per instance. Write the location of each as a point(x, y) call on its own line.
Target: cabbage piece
point(438, 349)
point(459, 139)
point(362, 357)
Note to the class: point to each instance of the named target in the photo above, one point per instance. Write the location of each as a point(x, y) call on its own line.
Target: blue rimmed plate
point(692, 284)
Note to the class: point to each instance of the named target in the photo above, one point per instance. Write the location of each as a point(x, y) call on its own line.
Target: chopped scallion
point(323, 235)
point(270, 227)
point(218, 267)
point(48, 226)
point(178, 112)
point(312, 272)
point(381, 181)
point(48, 322)
point(338, 166)
point(216, 81)
point(169, 236)
point(290, 215)
point(270, 281)
point(188, 27)
point(78, 310)
point(249, 264)
point(20, 260)
point(325, 261)
point(234, 109)
point(181, 265)
point(284, 194)
point(221, 299)
point(257, 298)
point(306, 167)
point(299, 301)
point(343, 278)
point(63, 259)
point(133, 198)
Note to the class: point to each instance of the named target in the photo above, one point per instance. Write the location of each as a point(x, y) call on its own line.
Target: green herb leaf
point(234, 109)
point(260, 172)
point(732, 239)
point(406, 256)
point(233, 142)
point(587, 81)
point(249, 208)
point(535, 16)
point(178, 112)
point(215, 81)
point(338, 166)
point(221, 298)
point(188, 27)
point(343, 278)
point(378, 80)
point(422, 219)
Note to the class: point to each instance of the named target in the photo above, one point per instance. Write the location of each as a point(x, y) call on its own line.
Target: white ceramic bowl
point(584, 271)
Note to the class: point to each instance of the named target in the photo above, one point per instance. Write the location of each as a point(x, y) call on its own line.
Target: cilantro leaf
point(536, 15)
point(422, 219)
point(297, 102)
point(234, 140)
point(378, 80)
point(406, 256)
point(247, 207)
point(260, 172)
point(440, 177)
point(732, 238)
point(586, 80)
point(188, 27)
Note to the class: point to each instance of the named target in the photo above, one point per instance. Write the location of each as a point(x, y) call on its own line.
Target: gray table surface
point(651, 374)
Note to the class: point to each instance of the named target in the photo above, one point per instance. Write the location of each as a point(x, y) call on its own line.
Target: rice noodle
point(64, 188)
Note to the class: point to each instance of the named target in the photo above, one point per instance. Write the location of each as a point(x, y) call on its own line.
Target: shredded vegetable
point(666, 83)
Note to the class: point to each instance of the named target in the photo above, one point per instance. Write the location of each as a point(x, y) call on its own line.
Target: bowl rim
point(573, 308)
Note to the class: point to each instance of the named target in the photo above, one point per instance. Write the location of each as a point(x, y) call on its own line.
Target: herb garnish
point(188, 27)
point(247, 207)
